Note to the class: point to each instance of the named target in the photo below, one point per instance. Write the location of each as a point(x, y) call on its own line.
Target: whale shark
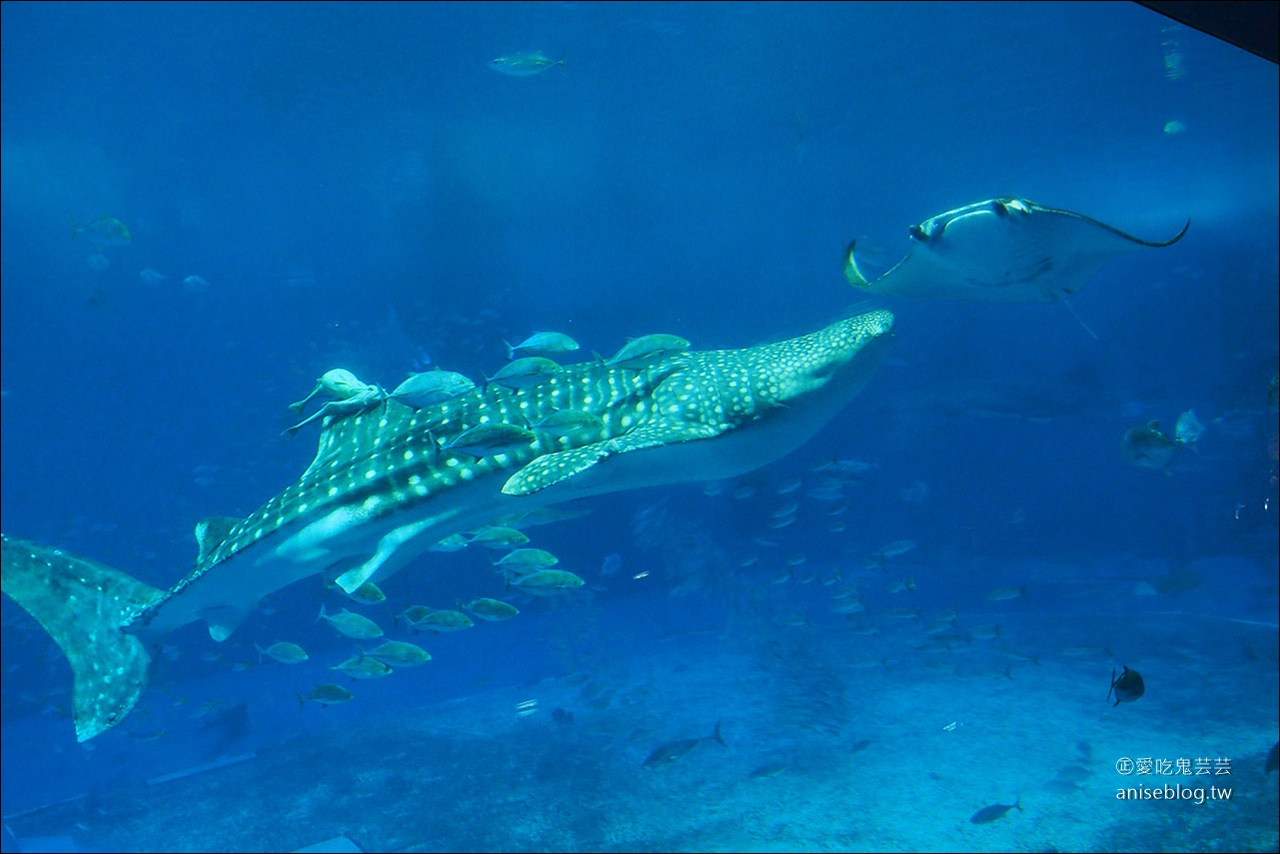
point(1001, 250)
point(389, 482)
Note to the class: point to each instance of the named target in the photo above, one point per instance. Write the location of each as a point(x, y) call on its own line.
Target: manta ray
point(384, 487)
point(1001, 250)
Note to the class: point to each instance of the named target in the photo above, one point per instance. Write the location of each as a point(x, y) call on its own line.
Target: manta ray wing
point(1002, 250)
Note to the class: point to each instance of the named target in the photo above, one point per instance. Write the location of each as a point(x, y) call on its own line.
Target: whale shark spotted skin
point(383, 489)
point(1001, 250)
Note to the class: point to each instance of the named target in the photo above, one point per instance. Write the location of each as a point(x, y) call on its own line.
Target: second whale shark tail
point(85, 607)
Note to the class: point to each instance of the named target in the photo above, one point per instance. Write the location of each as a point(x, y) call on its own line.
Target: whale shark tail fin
point(85, 607)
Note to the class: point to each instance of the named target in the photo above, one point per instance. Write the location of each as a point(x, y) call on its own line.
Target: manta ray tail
point(84, 606)
point(1071, 308)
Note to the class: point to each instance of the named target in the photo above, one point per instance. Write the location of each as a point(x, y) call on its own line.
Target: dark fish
point(1128, 687)
point(769, 769)
point(230, 725)
point(986, 815)
point(665, 754)
point(1273, 758)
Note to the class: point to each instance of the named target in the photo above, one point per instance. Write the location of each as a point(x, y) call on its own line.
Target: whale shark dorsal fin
point(361, 430)
point(211, 532)
point(550, 469)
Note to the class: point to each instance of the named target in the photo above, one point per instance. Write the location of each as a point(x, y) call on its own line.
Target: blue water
point(357, 188)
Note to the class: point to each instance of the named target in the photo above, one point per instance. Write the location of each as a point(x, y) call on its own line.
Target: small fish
point(640, 353)
point(847, 468)
point(103, 231)
point(570, 423)
point(986, 815)
point(665, 754)
point(786, 510)
point(368, 594)
point(1127, 687)
point(547, 582)
point(499, 537)
point(283, 652)
point(524, 63)
point(526, 372)
point(543, 344)
point(1146, 446)
point(905, 585)
point(326, 695)
point(363, 667)
point(451, 543)
point(901, 614)
point(1082, 651)
point(440, 620)
point(400, 653)
point(1018, 655)
point(522, 561)
point(145, 736)
point(848, 606)
point(351, 624)
point(1073, 774)
point(1004, 594)
point(413, 614)
point(491, 610)
point(612, 564)
point(431, 387)
point(898, 547)
point(769, 769)
point(789, 486)
point(1187, 430)
point(487, 440)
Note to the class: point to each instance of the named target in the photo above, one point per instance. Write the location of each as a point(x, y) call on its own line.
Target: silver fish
point(486, 440)
point(431, 387)
point(647, 350)
point(526, 372)
point(543, 344)
point(524, 63)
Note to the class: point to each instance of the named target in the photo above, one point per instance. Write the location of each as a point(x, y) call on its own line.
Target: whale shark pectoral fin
point(550, 469)
point(350, 580)
point(223, 621)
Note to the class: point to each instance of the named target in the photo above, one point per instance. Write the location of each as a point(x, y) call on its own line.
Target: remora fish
point(381, 491)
